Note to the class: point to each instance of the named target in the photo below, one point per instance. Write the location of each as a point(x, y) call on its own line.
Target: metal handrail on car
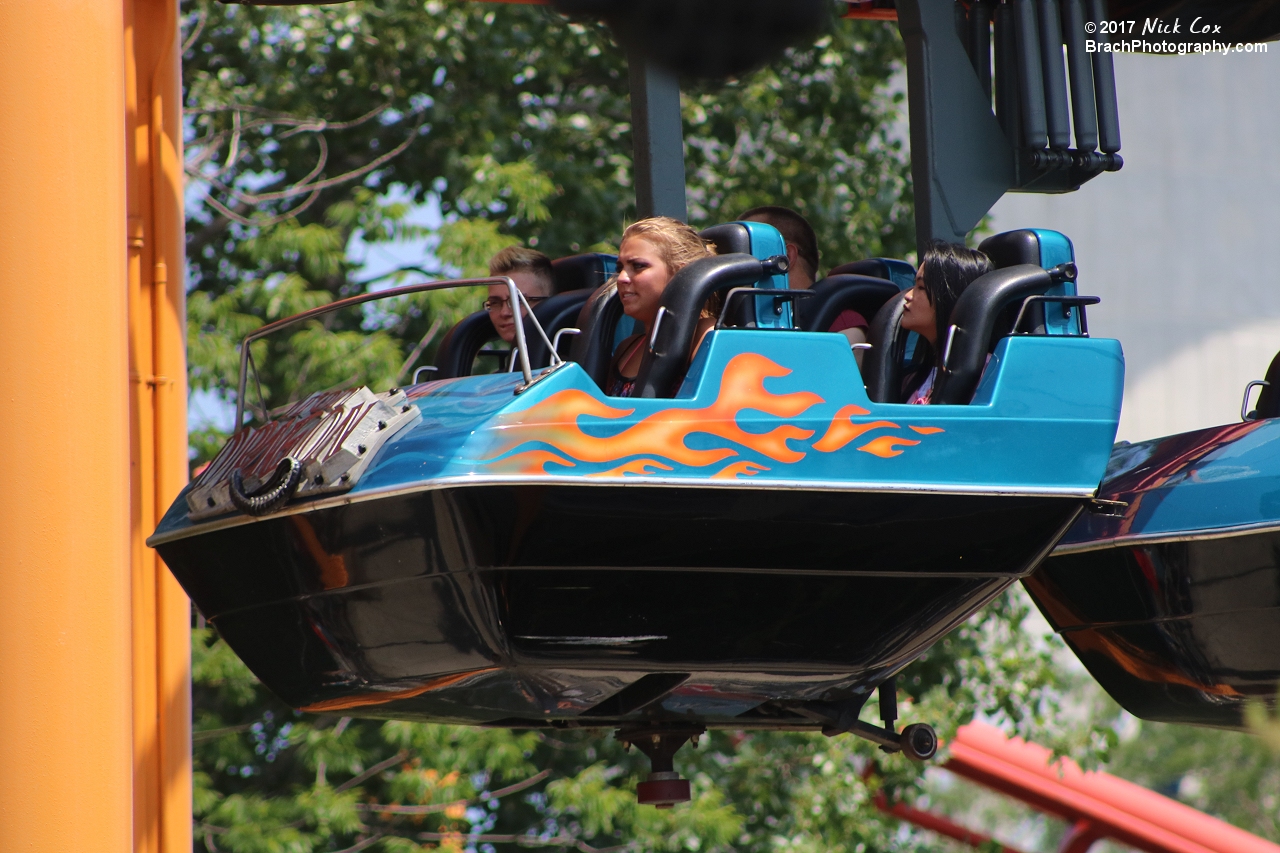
point(516, 297)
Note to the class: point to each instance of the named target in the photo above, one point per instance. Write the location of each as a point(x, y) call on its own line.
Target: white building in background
point(1183, 244)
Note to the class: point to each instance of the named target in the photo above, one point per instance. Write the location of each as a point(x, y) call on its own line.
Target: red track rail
point(1097, 805)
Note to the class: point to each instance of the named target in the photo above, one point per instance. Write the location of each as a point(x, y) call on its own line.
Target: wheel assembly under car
point(663, 788)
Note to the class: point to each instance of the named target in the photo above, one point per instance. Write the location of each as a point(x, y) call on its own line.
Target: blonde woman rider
point(652, 251)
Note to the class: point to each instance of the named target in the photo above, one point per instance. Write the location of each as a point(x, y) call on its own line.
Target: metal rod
point(980, 41)
point(1058, 120)
point(1030, 75)
point(1084, 112)
point(1104, 85)
point(555, 357)
point(522, 345)
point(513, 293)
point(657, 139)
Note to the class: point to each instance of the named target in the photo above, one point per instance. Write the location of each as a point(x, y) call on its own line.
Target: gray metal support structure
point(961, 161)
point(658, 137)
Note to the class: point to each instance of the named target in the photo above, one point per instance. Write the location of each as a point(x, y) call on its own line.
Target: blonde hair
point(677, 244)
point(519, 259)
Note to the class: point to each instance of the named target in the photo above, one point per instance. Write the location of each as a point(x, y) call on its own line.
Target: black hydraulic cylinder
point(1084, 112)
point(1006, 70)
point(1104, 86)
point(1057, 120)
point(962, 29)
point(888, 693)
point(1030, 76)
point(980, 41)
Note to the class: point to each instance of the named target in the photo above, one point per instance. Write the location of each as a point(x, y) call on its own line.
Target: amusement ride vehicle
point(736, 546)
point(1172, 600)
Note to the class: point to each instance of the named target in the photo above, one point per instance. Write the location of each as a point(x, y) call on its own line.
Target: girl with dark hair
point(944, 273)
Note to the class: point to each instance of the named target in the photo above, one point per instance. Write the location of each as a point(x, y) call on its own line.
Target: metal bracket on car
point(525, 386)
point(332, 436)
point(1111, 509)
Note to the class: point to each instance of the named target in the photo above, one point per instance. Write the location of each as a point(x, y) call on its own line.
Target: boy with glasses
point(531, 271)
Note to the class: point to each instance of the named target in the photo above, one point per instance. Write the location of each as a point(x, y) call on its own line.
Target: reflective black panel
point(537, 604)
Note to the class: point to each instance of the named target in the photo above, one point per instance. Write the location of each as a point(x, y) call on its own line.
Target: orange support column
point(158, 451)
point(65, 674)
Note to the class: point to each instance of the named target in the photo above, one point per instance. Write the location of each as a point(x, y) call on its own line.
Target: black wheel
point(919, 742)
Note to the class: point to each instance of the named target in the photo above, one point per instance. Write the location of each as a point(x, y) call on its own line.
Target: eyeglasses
point(497, 304)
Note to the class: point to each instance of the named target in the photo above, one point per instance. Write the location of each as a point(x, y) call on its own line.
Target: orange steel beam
point(158, 438)
point(938, 824)
point(1097, 804)
point(65, 766)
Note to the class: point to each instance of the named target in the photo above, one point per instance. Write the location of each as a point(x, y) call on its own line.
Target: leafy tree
point(313, 130)
point(1231, 775)
point(271, 779)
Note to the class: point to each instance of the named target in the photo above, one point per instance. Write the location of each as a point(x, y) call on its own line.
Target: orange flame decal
point(634, 466)
point(886, 446)
point(554, 421)
point(843, 430)
point(735, 469)
point(550, 434)
point(531, 462)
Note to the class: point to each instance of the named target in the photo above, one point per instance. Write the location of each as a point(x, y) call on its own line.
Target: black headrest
point(1269, 400)
point(577, 272)
point(872, 267)
point(459, 347)
point(837, 293)
point(975, 317)
point(729, 238)
point(882, 366)
point(1011, 248)
point(559, 312)
point(592, 349)
point(665, 361)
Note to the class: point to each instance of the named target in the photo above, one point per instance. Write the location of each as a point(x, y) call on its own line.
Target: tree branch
point(210, 734)
point(523, 841)
point(304, 187)
point(519, 786)
point(417, 351)
point(373, 771)
point(435, 808)
point(360, 845)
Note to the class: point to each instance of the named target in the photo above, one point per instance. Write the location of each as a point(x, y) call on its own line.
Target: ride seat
point(1269, 399)
point(837, 293)
point(729, 238)
point(559, 312)
point(976, 321)
point(1044, 249)
point(883, 367)
point(462, 344)
point(664, 360)
point(602, 313)
point(582, 272)
point(573, 279)
point(899, 272)
point(987, 309)
point(593, 347)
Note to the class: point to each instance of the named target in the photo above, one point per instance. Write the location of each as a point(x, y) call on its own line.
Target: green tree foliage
point(314, 130)
point(271, 779)
point(1232, 775)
